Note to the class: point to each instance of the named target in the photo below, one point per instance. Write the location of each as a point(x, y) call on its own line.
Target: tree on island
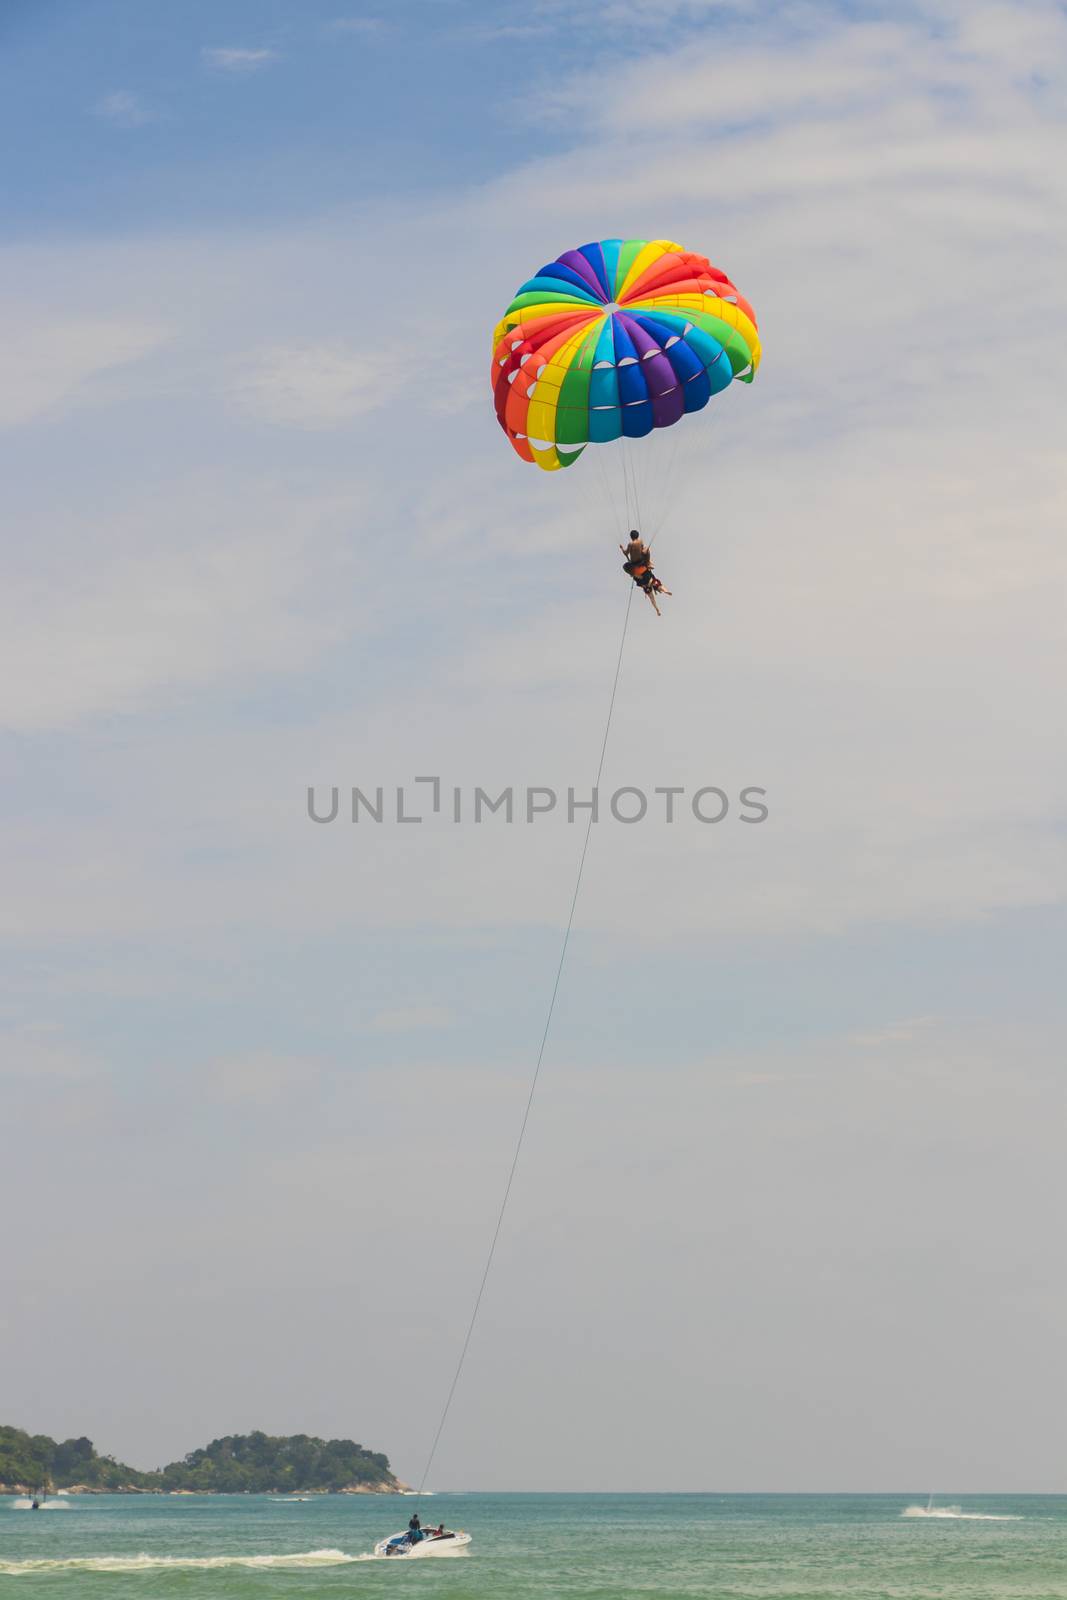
point(260, 1463)
point(253, 1463)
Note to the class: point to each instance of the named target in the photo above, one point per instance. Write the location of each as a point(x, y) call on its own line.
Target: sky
point(789, 1211)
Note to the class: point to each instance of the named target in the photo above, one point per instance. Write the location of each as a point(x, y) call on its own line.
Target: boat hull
point(450, 1544)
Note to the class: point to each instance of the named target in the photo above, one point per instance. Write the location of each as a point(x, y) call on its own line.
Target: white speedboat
point(432, 1543)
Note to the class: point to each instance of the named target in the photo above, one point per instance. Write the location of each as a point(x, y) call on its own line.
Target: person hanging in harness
point(638, 564)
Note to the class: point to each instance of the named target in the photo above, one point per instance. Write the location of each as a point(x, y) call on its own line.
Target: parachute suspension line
point(625, 486)
point(590, 496)
point(628, 463)
point(537, 1069)
point(609, 491)
point(667, 485)
point(669, 480)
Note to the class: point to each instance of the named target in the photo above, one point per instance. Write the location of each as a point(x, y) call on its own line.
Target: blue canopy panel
point(637, 419)
point(579, 263)
point(697, 391)
point(659, 378)
point(605, 345)
point(633, 388)
point(669, 330)
point(632, 385)
point(612, 249)
point(595, 257)
point(605, 424)
point(550, 278)
point(716, 361)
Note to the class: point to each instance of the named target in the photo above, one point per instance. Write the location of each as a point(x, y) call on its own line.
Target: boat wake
point(145, 1563)
point(24, 1503)
point(956, 1514)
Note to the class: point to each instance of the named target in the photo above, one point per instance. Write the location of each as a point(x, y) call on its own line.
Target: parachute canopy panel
point(612, 340)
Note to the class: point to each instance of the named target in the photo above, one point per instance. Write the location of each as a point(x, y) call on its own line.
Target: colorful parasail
point(612, 340)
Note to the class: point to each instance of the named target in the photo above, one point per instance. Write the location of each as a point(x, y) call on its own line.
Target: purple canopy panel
point(669, 407)
point(579, 264)
point(664, 390)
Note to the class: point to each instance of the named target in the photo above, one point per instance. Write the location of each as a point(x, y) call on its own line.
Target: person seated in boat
point(438, 1532)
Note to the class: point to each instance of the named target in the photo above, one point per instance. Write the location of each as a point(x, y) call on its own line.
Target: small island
point(243, 1463)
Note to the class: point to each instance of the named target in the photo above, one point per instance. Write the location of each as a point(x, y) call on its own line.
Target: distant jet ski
point(431, 1542)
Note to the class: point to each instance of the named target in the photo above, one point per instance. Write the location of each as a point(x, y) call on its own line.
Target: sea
point(541, 1547)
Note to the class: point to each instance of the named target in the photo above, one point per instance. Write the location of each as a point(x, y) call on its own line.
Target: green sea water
point(541, 1547)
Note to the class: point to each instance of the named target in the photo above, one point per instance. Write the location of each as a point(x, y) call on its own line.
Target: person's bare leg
point(655, 607)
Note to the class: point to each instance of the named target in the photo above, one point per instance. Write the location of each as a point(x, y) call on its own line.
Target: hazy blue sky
point(790, 1213)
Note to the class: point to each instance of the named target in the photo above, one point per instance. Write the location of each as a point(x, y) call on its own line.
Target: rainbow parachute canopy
point(615, 339)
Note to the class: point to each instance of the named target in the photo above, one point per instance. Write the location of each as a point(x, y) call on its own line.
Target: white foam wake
point(147, 1563)
point(23, 1503)
point(957, 1514)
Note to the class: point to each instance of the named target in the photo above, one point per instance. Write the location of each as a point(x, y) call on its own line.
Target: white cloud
point(866, 546)
point(314, 386)
point(259, 1080)
point(867, 103)
point(867, 555)
point(43, 1050)
point(656, 12)
point(238, 61)
point(134, 605)
point(124, 109)
point(905, 1032)
point(360, 25)
point(926, 1173)
point(405, 1018)
point(49, 362)
point(514, 32)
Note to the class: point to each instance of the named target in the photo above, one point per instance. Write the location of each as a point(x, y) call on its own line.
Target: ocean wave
point(147, 1563)
point(957, 1514)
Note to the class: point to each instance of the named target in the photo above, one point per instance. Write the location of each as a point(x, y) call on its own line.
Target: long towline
point(537, 1069)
